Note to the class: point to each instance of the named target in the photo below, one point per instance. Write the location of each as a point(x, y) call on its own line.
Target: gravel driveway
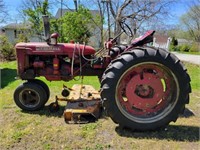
point(195, 59)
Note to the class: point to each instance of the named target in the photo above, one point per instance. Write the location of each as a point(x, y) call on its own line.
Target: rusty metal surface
point(83, 104)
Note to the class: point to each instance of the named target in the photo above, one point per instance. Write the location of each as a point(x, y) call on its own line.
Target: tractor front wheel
point(145, 89)
point(43, 85)
point(30, 96)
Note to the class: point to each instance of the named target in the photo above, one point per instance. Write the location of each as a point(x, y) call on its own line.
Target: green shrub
point(21, 38)
point(171, 47)
point(185, 48)
point(174, 41)
point(178, 48)
point(173, 44)
point(195, 47)
point(174, 48)
point(6, 49)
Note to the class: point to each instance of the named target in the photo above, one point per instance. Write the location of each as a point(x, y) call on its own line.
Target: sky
point(13, 5)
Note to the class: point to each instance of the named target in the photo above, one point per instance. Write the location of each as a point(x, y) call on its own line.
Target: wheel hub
point(144, 92)
point(29, 98)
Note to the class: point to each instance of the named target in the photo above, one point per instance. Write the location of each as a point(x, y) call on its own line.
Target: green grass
point(194, 72)
point(45, 130)
point(9, 72)
point(192, 53)
point(9, 83)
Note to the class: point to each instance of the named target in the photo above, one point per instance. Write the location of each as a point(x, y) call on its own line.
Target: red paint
point(59, 49)
point(144, 93)
point(144, 90)
point(38, 64)
point(55, 35)
point(146, 38)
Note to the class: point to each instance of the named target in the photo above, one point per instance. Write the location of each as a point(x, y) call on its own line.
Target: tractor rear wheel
point(145, 89)
point(30, 96)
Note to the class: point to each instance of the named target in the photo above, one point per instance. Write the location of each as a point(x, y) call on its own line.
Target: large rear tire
point(145, 89)
point(30, 96)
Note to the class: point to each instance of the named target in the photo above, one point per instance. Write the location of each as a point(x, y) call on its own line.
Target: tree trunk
point(118, 30)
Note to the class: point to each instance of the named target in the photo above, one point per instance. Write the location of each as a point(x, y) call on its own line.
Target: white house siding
point(184, 41)
point(34, 38)
point(162, 45)
point(10, 34)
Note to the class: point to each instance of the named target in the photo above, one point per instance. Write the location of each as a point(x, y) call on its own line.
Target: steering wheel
point(126, 28)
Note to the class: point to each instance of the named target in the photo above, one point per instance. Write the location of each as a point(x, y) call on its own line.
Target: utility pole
point(76, 5)
point(108, 16)
point(108, 11)
point(61, 14)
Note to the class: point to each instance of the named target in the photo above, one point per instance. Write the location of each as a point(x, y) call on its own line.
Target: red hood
point(60, 48)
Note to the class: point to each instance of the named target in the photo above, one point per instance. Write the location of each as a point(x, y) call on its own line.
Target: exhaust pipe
point(46, 28)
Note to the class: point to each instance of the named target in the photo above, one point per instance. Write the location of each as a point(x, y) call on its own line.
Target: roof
point(161, 38)
point(17, 26)
point(58, 14)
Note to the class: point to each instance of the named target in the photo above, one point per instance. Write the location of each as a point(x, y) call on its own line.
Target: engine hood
point(59, 49)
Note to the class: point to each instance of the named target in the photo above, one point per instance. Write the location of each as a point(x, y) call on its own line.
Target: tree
point(2, 11)
point(76, 25)
point(96, 20)
point(138, 10)
point(100, 21)
point(6, 48)
point(173, 44)
point(33, 11)
point(191, 21)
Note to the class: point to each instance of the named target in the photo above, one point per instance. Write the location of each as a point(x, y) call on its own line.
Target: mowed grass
point(192, 53)
point(45, 130)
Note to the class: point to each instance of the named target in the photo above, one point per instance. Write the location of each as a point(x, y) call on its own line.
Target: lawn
point(192, 53)
point(45, 130)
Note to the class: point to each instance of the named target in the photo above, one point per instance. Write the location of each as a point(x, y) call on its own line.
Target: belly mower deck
point(83, 104)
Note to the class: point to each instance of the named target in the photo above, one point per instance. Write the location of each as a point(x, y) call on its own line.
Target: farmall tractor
point(142, 87)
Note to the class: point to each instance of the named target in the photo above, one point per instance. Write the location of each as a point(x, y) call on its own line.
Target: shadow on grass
point(46, 111)
point(171, 132)
point(7, 76)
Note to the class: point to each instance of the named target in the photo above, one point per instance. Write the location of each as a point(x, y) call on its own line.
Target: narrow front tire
point(30, 96)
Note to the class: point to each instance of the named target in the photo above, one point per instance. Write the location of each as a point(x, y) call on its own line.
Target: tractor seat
point(146, 38)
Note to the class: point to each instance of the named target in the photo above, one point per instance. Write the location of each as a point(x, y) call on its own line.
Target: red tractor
point(142, 87)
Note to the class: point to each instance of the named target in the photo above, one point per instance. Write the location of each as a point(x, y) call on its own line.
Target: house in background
point(14, 30)
point(161, 41)
point(184, 41)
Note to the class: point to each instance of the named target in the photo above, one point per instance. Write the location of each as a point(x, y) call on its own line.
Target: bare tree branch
point(138, 10)
point(191, 20)
point(3, 12)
